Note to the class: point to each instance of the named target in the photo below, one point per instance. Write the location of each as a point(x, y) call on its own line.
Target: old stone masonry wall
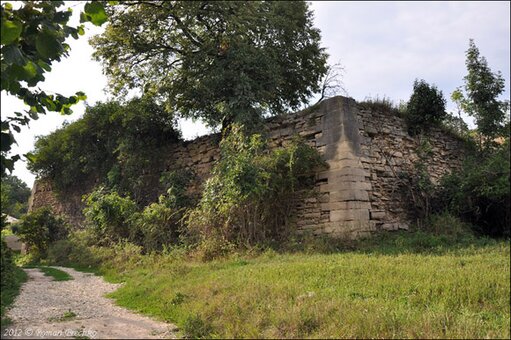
point(368, 153)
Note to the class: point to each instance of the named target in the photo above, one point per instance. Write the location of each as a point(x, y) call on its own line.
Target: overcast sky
point(383, 47)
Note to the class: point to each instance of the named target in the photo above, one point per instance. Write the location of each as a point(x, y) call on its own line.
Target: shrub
point(449, 225)
point(6, 265)
point(76, 250)
point(250, 194)
point(110, 216)
point(111, 141)
point(159, 225)
point(175, 184)
point(480, 192)
point(425, 108)
point(41, 227)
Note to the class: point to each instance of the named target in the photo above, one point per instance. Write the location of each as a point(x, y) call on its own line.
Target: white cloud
point(385, 46)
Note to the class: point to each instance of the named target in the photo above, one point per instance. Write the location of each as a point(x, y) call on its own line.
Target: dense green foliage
point(10, 280)
point(483, 87)
point(41, 227)
point(442, 283)
point(15, 194)
point(221, 61)
point(110, 216)
point(114, 142)
point(248, 199)
point(251, 192)
point(481, 192)
point(33, 38)
point(425, 108)
point(113, 218)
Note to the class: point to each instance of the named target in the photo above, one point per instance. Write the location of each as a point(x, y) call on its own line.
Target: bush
point(113, 218)
point(480, 192)
point(110, 216)
point(425, 108)
point(158, 225)
point(41, 227)
point(448, 225)
point(112, 142)
point(6, 265)
point(250, 195)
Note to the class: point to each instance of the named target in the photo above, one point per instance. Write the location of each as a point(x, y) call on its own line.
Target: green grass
point(57, 274)
point(9, 293)
point(398, 286)
point(67, 316)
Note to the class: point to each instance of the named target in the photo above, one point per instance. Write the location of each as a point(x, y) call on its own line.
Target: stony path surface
point(39, 310)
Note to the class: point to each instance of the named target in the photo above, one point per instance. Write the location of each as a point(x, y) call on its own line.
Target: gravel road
point(76, 308)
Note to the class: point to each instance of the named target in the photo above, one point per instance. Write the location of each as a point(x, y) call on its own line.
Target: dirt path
point(76, 309)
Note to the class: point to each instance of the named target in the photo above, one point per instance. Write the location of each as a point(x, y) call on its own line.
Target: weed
point(67, 316)
point(195, 327)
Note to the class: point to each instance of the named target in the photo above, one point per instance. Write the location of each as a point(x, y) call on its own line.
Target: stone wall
point(361, 191)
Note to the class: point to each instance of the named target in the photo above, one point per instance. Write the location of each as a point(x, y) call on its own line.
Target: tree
point(15, 194)
point(331, 84)
point(33, 37)
point(483, 87)
point(425, 108)
point(221, 61)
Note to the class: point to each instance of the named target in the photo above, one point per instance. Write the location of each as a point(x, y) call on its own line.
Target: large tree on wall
point(221, 61)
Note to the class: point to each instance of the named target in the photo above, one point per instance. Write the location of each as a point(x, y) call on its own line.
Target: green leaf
point(48, 102)
point(30, 157)
point(6, 141)
point(30, 70)
point(95, 13)
point(47, 45)
point(80, 95)
point(44, 66)
point(13, 55)
point(10, 31)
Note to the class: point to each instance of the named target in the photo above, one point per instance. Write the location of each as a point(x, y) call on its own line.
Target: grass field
point(402, 286)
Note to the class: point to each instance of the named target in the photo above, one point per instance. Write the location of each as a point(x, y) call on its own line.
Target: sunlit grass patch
point(459, 292)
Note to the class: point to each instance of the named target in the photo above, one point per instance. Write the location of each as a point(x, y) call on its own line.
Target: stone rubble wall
point(359, 193)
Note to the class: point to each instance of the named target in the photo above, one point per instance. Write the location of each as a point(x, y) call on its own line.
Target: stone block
point(349, 195)
point(349, 215)
point(389, 226)
point(336, 184)
point(377, 214)
point(345, 205)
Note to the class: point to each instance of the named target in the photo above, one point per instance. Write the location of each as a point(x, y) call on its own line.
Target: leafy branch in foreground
point(33, 38)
